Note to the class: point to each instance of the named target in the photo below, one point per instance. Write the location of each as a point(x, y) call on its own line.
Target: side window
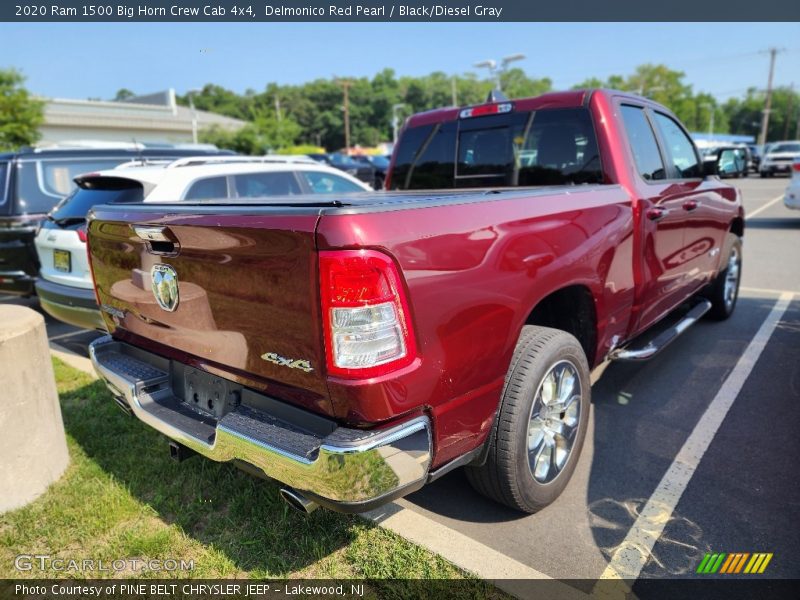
point(643, 143)
point(680, 147)
point(426, 162)
point(3, 176)
point(407, 148)
point(328, 183)
point(210, 188)
point(255, 185)
point(560, 148)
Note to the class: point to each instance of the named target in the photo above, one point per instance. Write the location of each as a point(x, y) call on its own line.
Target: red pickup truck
point(356, 347)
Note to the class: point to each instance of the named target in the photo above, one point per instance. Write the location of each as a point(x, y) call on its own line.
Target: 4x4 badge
point(292, 363)
point(165, 286)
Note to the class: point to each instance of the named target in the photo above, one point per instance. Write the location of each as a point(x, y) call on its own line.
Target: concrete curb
point(73, 359)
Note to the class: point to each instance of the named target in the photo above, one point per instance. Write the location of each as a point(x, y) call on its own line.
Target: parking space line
point(763, 207)
point(757, 290)
point(66, 335)
point(471, 555)
point(633, 553)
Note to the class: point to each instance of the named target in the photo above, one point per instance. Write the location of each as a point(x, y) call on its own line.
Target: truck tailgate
point(246, 302)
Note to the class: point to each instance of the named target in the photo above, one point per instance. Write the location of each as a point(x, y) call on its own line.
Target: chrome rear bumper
point(349, 470)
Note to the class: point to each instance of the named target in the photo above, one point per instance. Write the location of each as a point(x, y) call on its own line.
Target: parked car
point(362, 171)
point(33, 181)
point(792, 197)
point(778, 158)
point(732, 160)
point(65, 284)
point(354, 348)
point(755, 156)
point(378, 162)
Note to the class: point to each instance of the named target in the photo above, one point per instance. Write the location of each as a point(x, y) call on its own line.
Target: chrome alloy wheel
point(554, 420)
point(732, 278)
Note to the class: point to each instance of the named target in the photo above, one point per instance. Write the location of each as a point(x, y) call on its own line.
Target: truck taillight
point(796, 166)
point(365, 314)
point(82, 234)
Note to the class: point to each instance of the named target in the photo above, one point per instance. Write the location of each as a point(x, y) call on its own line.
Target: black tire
point(722, 303)
point(762, 174)
point(507, 476)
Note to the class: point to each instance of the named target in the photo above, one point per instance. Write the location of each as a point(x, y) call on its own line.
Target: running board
point(663, 339)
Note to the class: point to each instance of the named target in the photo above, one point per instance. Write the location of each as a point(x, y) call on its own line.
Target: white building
point(152, 118)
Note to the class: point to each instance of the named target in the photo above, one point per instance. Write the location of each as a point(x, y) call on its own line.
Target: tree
point(20, 114)
point(264, 135)
point(124, 94)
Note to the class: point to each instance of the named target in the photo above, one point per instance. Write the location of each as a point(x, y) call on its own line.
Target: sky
point(94, 60)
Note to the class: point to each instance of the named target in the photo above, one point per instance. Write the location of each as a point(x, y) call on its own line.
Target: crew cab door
point(662, 272)
point(701, 205)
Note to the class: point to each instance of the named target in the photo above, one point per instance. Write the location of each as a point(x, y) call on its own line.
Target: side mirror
point(727, 163)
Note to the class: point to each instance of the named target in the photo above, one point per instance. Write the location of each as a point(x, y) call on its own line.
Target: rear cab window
point(544, 147)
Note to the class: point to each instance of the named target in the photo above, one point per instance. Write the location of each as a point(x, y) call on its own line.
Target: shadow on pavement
point(772, 223)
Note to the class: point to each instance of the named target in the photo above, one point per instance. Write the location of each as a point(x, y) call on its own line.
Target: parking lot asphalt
point(741, 496)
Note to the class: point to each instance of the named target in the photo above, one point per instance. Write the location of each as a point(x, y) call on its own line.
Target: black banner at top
point(489, 11)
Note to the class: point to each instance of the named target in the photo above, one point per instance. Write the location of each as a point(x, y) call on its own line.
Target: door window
point(210, 188)
point(643, 143)
point(328, 183)
point(255, 185)
point(680, 147)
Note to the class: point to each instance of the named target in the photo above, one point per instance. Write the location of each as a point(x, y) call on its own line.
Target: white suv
point(65, 286)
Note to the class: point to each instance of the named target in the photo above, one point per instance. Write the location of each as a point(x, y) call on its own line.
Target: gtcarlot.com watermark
point(45, 562)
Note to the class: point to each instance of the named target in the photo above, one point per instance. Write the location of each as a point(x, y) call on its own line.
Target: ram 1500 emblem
point(300, 363)
point(165, 286)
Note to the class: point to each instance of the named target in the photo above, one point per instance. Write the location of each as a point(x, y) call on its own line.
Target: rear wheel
point(724, 290)
point(541, 424)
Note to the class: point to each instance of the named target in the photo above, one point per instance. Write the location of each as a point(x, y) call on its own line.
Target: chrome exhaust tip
point(297, 501)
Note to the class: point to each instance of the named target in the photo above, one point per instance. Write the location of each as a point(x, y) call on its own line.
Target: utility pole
point(453, 90)
point(762, 139)
point(797, 127)
point(346, 83)
point(278, 108)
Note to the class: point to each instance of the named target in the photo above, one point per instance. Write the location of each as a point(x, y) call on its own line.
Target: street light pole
point(191, 94)
point(713, 110)
point(395, 121)
point(495, 70)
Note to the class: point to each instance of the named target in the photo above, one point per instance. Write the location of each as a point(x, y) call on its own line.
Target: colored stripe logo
point(734, 563)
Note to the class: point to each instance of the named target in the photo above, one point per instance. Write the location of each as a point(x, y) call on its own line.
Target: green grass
point(122, 497)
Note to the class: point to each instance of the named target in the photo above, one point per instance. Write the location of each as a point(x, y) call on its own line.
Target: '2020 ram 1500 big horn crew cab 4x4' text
point(356, 347)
